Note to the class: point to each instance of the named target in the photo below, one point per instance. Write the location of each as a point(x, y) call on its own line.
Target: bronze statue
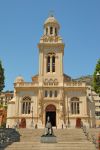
point(48, 136)
point(48, 128)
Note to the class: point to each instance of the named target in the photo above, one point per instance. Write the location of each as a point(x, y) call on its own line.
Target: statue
point(48, 136)
point(48, 128)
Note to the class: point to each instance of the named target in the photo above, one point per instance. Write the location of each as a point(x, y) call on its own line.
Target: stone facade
point(51, 92)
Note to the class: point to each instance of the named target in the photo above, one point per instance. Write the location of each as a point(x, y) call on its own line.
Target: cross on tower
point(51, 13)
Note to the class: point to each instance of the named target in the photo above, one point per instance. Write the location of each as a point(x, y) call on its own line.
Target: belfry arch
point(50, 111)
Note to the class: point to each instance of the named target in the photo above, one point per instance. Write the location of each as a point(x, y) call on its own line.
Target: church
point(51, 92)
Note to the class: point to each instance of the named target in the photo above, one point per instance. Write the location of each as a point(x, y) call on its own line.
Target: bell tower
point(51, 51)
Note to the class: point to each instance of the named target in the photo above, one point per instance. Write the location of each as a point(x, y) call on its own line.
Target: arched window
point(75, 109)
point(46, 81)
point(53, 63)
point(46, 93)
point(26, 105)
point(48, 64)
point(51, 30)
point(55, 93)
point(50, 82)
point(55, 82)
point(50, 93)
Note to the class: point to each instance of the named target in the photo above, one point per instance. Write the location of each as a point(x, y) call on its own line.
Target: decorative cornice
point(51, 45)
point(20, 117)
point(50, 39)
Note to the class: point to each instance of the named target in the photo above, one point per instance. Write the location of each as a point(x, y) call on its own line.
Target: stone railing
point(86, 132)
point(91, 137)
point(26, 84)
point(8, 136)
point(75, 84)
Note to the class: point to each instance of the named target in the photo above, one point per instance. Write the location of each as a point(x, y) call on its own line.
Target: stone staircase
point(67, 139)
point(94, 131)
point(94, 135)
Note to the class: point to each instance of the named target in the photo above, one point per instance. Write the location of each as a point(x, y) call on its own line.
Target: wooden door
point(22, 123)
point(78, 122)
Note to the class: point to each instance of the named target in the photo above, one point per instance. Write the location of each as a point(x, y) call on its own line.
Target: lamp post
point(32, 117)
point(68, 121)
point(68, 117)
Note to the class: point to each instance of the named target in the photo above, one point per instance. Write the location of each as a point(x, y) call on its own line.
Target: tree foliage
point(2, 77)
point(96, 78)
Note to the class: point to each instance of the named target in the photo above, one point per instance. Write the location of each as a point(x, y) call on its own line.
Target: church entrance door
point(51, 112)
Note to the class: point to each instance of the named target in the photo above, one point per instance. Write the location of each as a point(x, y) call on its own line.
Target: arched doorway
point(22, 123)
point(51, 112)
point(78, 122)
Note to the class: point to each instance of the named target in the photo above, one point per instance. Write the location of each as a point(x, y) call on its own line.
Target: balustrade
point(74, 84)
point(26, 84)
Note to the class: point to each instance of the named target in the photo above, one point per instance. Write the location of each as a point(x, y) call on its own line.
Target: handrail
point(91, 137)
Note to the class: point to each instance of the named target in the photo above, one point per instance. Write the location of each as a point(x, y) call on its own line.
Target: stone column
point(40, 111)
point(49, 30)
point(41, 63)
point(50, 63)
point(54, 31)
point(61, 64)
point(85, 106)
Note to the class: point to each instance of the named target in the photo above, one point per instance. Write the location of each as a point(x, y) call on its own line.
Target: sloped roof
point(66, 77)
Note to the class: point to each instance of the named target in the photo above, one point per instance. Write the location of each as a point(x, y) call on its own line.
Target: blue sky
point(21, 26)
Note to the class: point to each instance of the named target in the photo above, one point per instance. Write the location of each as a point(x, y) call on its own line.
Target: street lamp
point(32, 117)
point(68, 117)
point(68, 121)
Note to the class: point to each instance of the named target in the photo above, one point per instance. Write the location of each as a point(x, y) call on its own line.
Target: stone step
point(67, 139)
point(61, 143)
point(57, 146)
point(52, 148)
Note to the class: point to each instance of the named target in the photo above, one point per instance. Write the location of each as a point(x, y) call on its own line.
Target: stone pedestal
point(48, 139)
